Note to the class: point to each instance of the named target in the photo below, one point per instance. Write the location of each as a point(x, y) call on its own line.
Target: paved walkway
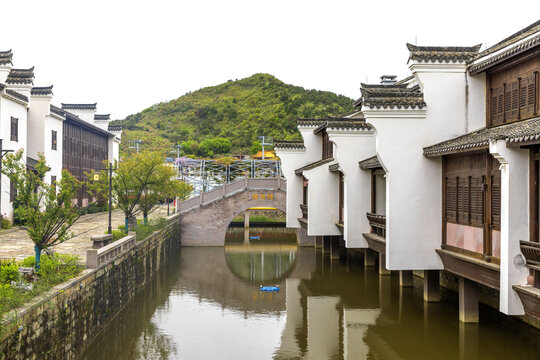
point(18, 244)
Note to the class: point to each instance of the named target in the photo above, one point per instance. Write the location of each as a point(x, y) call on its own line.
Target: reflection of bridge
point(206, 217)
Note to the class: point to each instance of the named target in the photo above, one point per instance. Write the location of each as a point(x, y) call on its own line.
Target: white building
point(30, 122)
point(447, 172)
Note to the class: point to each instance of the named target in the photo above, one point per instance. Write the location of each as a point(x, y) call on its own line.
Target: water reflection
point(260, 257)
point(206, 304)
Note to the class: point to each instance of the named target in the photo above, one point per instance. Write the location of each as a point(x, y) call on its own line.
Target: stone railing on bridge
point(231, 189)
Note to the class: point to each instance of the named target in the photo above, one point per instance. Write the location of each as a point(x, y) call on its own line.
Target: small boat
point(269, 288)
point(255, 238)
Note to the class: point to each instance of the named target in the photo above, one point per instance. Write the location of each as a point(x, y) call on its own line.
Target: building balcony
point(377, 224)
point(531, 252)
point(304, 211)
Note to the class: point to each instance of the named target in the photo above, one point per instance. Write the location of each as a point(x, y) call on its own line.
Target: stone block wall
point(61, 325)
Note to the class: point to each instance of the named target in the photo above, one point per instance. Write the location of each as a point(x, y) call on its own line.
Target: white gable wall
point(349, 149)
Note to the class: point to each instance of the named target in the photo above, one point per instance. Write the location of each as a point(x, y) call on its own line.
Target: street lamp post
point(110, 170)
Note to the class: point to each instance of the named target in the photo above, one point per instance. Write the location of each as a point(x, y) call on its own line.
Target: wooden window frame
point(490, 174)
point(341, 196)
point(54, 140)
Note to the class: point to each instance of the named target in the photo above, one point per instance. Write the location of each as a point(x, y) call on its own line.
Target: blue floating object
point(269, 288)
point(255, 237)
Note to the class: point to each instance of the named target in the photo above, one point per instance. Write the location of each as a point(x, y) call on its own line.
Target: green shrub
point(6, 224)
point(117, 234)
point(55, 267)
point(9, 271)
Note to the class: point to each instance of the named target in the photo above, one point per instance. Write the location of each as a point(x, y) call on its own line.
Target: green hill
point(236, 110)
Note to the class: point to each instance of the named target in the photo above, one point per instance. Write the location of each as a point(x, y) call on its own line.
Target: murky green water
point(206, 304)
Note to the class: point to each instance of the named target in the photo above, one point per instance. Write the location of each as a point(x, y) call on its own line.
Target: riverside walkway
point(15, 243)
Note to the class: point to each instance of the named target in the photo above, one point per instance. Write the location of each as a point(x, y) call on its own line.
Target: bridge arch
point(205, 218)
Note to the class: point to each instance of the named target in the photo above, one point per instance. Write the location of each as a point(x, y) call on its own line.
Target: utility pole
point(265, 140)
point(2, 153)
point(135, 145)
point(177, 147)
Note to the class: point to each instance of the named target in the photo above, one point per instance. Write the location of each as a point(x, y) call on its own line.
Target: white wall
point(40, 126)
point(414, 183)
point(9, 108)
point(295, 159)
point(114, 149)
point(323, 200)
point(514, 222)
point(290, 161)
point(86, 115)
point(476, 102)
point(349, 149)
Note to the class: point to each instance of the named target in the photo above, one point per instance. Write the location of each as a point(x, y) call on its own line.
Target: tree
point(47, 209)
point(256, 147)
point(161, 185)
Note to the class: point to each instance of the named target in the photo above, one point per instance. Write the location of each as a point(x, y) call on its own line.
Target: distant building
point(268, 155)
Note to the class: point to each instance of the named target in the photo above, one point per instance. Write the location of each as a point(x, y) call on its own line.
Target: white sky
point(128, 55)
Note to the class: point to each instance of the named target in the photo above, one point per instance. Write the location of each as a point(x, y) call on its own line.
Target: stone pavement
point(18, 245)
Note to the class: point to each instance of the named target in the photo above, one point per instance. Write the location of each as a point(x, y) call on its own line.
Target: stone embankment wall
point(60, 326)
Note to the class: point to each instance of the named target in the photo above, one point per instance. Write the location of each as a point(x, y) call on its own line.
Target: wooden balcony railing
point(377, 223)
point(531, 252)
point(304, 211)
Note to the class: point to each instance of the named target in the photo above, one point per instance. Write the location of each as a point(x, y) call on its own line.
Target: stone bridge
point(205, 218)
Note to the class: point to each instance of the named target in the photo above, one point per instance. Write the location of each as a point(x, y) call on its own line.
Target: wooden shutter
point(463, 199)
point(450, 202)
point(54, 140)
point(476, 200)
point(496, 201)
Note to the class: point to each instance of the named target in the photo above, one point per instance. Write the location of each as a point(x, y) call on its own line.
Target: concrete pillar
point(382, 265)
point(369, 257)
point(334, 247)
point(385, 292)
point(318, 242)
point(405, 278)
point(246, 219)
point(468, 301)
point(432, 291)
point(468, 341)
point(326, 244)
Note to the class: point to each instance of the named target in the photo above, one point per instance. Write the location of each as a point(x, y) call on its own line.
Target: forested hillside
point(237, 111)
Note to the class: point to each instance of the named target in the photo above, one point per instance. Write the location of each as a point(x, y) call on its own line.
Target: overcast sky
point(129, 55)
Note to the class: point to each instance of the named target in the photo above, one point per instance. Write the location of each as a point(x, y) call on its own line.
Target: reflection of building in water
point(323, 327)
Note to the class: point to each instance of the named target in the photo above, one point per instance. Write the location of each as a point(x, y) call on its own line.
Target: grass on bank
point(55, 269)
point(143, 231)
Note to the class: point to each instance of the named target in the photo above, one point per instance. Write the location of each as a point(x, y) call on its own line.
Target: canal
point(206, 304)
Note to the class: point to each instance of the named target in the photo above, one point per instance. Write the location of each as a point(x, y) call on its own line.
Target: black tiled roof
point(443, 53)
point(521, 131)
point(74, 118)
point(390, 96)
point(58, 111)
point(309, 122)
point(17, 95)
point(289, 145)
point(343, 124)
point(114, 128)
point(102, 117)
point(21, 76)
point(313, 165)
point(507, 54)
point(42, 90)
point(6, 57)
point(370, 163)
point(79, 106)
point(512, 39)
